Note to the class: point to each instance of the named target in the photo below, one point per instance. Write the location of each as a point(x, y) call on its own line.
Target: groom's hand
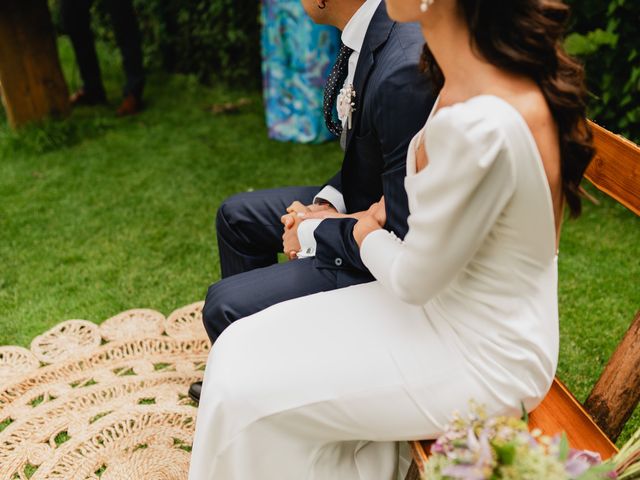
point(314, 208)
point(296, 213)
point(290, 243)
point(298, 207)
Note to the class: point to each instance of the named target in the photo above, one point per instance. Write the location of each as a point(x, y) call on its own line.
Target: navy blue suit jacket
point(393, 101)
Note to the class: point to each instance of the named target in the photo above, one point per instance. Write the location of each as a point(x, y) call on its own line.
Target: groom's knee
point(221, 308)
point(223, 217)
point(234, 217)
point(237, 208)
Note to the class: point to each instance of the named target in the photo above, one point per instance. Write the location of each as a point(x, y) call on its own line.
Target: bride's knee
point(232, 374)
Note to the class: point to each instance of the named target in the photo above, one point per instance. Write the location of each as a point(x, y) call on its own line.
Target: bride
point(323, 387)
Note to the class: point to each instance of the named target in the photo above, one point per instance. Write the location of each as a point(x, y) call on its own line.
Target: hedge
point(606, 36)
point(213, 39)
point(219, 39)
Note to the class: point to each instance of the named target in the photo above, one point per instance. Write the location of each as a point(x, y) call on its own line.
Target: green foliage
point(585, 45)
point(607, 38)
point(209, 38)
point(217, 38)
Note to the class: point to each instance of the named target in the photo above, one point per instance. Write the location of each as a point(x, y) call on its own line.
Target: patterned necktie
point(335, 82)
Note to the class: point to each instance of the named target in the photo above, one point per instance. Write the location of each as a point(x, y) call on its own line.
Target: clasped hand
point(372, 219)
point(296, 213)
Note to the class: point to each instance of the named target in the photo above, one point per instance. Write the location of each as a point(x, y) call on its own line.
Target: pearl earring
point(425, 4)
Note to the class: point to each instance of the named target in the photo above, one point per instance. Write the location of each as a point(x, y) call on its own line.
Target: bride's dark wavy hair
point(526, 37)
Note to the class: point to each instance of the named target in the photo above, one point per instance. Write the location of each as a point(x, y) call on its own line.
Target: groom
point(382, 100)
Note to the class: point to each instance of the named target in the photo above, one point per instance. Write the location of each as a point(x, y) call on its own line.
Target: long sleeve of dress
point(457, 198)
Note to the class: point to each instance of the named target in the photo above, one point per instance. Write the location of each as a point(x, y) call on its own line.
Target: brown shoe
point(84, 98)
point(131, 105)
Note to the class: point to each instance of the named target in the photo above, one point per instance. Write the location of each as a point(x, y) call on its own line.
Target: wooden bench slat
point(561, 412)
point(615, 170)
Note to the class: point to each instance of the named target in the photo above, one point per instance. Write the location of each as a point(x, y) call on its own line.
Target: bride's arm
point(458, 198)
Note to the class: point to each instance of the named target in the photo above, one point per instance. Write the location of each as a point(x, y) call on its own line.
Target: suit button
point(338, 262)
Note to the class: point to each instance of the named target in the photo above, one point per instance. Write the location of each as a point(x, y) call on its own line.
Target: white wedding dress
point(323, 387)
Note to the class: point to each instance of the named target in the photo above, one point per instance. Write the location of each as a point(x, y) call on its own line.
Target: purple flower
point(485, 457)
point(437, 448)
point(579, 461)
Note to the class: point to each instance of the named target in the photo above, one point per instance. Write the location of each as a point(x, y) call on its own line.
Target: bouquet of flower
point(482, 448)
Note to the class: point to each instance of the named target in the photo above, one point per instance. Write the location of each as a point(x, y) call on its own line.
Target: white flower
point(346, 104)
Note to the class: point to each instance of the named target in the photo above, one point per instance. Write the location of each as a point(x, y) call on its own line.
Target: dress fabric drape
point(465, 308)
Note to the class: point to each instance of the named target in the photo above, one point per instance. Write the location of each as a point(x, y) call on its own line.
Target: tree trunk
point(31, 81)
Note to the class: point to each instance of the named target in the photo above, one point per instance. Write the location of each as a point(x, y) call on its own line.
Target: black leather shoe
point(194, 391)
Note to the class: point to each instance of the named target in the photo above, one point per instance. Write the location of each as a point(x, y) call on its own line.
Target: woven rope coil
point(65, 340)
point(16, 361)
point(185, 322)
point(107, 402)
point(133, 324)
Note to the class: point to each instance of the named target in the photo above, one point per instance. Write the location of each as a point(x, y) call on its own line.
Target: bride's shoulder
point(491, 117)
point(479, 120)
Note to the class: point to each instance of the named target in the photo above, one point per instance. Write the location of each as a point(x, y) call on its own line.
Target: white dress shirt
point(353, 37)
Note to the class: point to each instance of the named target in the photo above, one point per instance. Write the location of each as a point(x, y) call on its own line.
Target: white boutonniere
point(346, 105)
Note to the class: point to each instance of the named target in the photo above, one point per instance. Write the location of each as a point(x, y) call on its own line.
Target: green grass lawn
point(99, 215)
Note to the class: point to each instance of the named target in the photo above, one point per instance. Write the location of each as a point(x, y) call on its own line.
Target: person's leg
point(322, 387)
point(247, 293)
point(249, 238)
point(249, 230)
point(127, 33)
point(76, 17)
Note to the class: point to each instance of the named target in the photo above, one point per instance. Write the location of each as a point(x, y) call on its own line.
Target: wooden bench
point(595, 425)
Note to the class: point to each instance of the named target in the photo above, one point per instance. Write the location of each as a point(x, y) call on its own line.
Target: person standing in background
point(76, 18)
point(297, 56)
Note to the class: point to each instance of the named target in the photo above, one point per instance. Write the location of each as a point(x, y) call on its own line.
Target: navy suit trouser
point(249, 238)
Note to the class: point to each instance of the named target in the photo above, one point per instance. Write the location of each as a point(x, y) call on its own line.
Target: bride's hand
point(373, 219)
point(378, 212)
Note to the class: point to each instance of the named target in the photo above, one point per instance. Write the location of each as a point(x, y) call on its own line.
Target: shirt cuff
point(333, 196)
point(305, 237)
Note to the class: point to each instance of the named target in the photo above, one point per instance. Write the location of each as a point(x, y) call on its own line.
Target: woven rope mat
point(107, 402)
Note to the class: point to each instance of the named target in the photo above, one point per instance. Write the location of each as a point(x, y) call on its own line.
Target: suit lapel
point(377, 34)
